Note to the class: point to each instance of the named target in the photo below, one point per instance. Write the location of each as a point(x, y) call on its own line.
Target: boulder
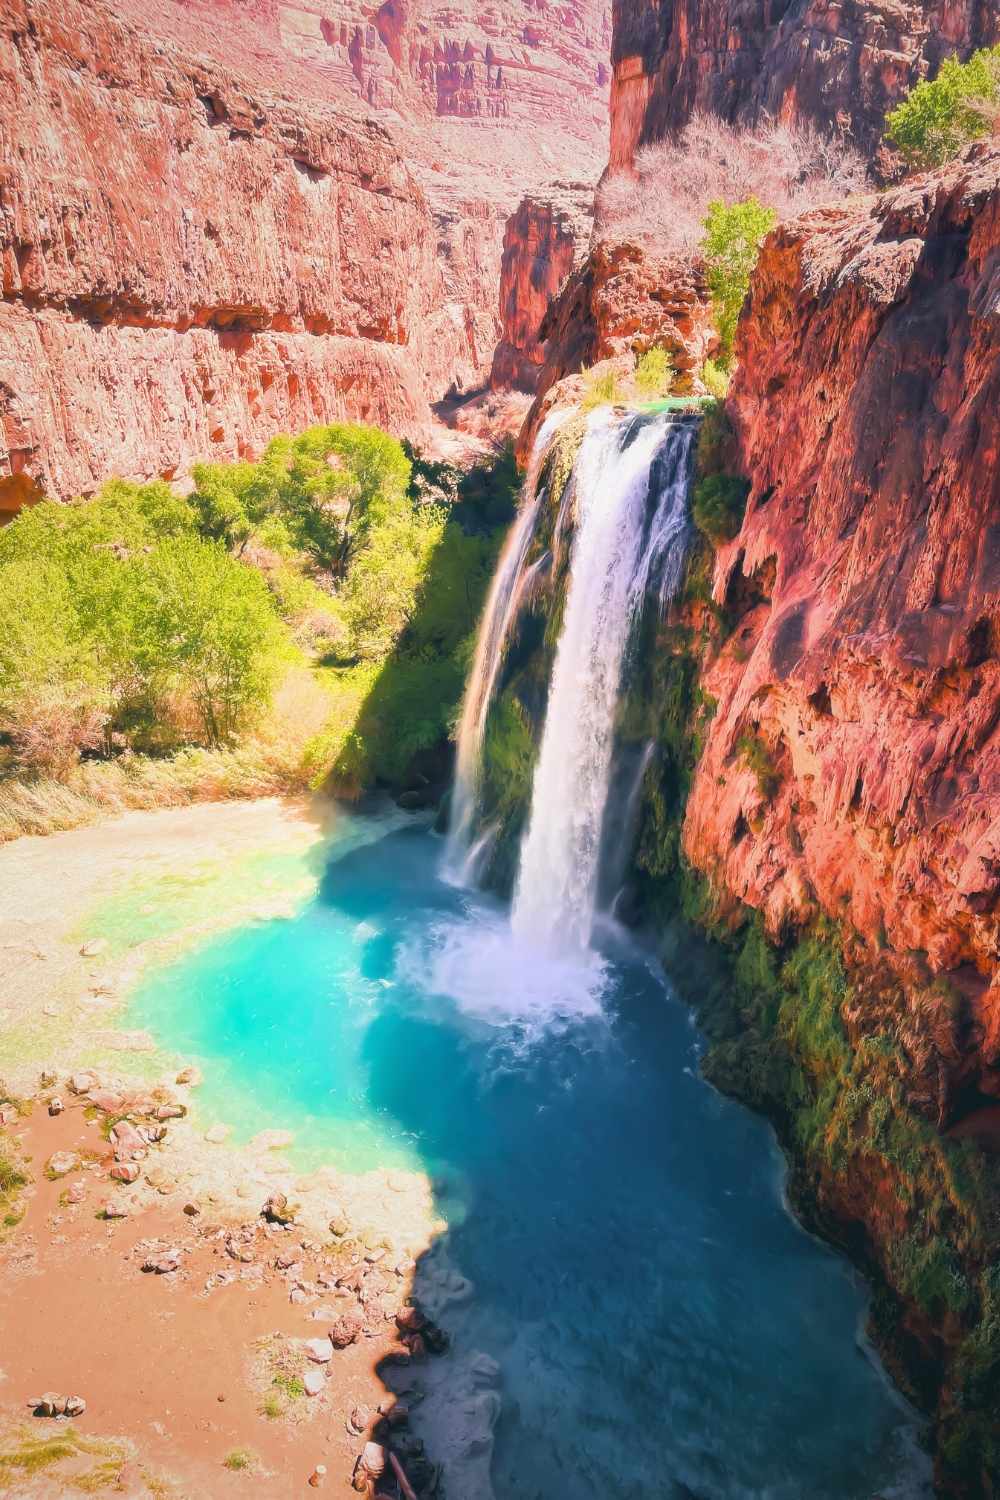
point(346, 1329)
point(319, 1350)
point(61, 1162)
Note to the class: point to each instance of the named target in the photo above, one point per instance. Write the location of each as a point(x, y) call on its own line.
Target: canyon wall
point(829, 65)
point(544, 240)
point(866, 577)
point(205, 240)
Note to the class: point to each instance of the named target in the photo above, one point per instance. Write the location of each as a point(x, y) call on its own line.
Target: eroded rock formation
point(829, 65)
point(867, 412)
point(205, 240)
point(544, 240)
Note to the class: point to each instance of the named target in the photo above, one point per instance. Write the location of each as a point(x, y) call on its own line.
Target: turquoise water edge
point(661, 1325)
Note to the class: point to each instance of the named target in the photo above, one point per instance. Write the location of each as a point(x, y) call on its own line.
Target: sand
point(153, 1354)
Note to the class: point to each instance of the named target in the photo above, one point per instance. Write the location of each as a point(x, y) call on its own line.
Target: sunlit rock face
point(209, 233)
point(544, 240)
point(813, 63)
point(866, 585)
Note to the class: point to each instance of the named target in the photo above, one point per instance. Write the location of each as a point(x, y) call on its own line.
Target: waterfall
point(501, 608)
point(631, 495)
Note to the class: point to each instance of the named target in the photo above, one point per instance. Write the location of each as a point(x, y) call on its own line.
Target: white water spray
point(501, 608)
point(631, 497)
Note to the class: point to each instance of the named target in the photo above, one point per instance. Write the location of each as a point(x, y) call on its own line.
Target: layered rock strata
point(816, 63)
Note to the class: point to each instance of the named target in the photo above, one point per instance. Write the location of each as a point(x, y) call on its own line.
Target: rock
point(154, 1135)
point(286, 1261)
point(237, 1250)
point(272, 1140)
point(317, 1476)
point(125, 1171)
point(216, 1134)
point(93, 948)
point(76, 1192)
point(49, 1404)
point(82, 1083)
point(75, 1406)
point(374, 1459)
point(340, 1225)
point(114, 1208)
point(374, 1256)
point(359, 1419)
point(61, 1162)
point(9, 1115)
point(127, 1143)
point(346, 1329)
point(108, 1102)
point(278, 1210)
point(297, 1296)
point(192, 1210)
point(170, 1112)
point(162, 1263)
point(410, 1320)
point(188, 1076)
point(47, 1078)
point(319, 1350)
point(56, 1106)
point(314, 1381)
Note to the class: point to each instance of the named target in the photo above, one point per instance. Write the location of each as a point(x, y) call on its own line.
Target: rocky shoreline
point(156, 1260)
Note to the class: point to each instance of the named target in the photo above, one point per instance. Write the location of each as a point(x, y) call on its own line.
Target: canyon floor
point(189, 1373)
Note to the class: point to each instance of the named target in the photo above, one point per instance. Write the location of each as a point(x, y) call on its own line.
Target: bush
point(715, 378)
point(941, 116)
point(663, 203)
point(733, 236)
point(717, 506)
point(600, 388)
point(654, 373)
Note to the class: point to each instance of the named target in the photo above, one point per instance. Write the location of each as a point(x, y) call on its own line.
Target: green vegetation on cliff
point(942, 115)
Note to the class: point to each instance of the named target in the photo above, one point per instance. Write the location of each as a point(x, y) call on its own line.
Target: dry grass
point(270, 763)
point(664, 202)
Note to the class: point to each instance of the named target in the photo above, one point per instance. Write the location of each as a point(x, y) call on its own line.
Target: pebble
point(216, 1134)
point(164, 1263)
point(314, 1381)
point(61, 1162)
point(319, 1350)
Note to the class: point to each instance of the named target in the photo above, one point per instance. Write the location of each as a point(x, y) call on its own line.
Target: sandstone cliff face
point(189, 263)
point(619, 303)
point(866, 578)
point(830, 65)
point(200, 250)
point(544, 240)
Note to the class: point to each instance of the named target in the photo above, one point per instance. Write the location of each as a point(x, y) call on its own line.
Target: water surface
point(661, 1325)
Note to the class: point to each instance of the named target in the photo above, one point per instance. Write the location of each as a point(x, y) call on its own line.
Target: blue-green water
point(661, 1325)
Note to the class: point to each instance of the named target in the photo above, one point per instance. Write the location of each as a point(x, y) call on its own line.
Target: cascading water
point(631, 494)
point(501, 606)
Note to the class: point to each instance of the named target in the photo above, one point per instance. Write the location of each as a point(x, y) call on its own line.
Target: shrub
point(733, 236)
point(715, 378)
point(663, 203)
point(600, 388)
point(940, 116)
point(717, 505)
point(757, 758)
point(654, 373)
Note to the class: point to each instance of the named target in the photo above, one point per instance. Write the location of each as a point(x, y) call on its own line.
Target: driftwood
point(404, 1483)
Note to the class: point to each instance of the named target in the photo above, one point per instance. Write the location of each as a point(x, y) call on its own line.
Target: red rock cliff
point(543, 241)
point(828, 64)
point(866, 579)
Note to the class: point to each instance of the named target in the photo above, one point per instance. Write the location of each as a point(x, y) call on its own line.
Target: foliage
point(757, 757)
point(654, 373)
point(12, 1179)
point(329, 485)
point(715, 378)
point(942, 115)
point(731, 244)
point(600, 388)
point(662, 202)
point(717, 505)
point(238, 1459)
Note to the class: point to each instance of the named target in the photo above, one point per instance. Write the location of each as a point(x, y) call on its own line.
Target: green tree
point(731, 244)
point(209, 630)
point(332, 483)
point(942, 115)
point(233, 502)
